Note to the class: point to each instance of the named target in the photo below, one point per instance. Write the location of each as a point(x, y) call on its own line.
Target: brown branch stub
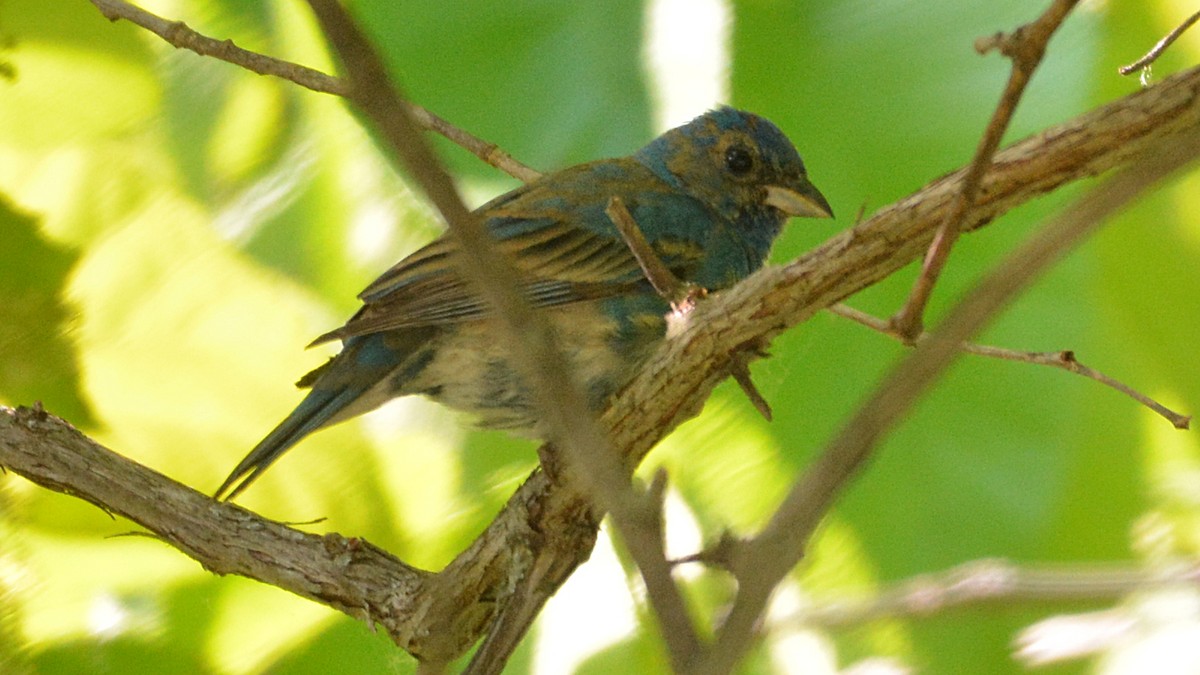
point(680, 294)
point(1160, 47)
point(664, 281)
point(1025, 46)
point(739, 368)
point(722, 554)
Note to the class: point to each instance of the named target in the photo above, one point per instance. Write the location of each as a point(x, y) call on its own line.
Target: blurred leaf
point(258, 625)
point(35, 335)
point(69, 61)
point(552, 83)
point(127, 590)
point(639, 654)
point(346, 647)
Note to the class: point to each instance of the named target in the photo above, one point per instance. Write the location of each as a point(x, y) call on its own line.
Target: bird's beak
point(800, 199)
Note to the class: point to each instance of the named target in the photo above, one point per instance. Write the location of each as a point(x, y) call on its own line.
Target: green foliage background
point(173, 230)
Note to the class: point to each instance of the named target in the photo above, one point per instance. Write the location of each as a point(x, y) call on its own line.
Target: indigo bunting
point(710, 197)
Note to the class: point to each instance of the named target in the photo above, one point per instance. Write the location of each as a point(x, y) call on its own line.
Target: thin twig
point(993, 582)
point(180, 35)
point(739, 369)
point(767, 558)
point(1160, 47)
point(664, 281)
point(594, 466)
point(1025, 47)
point(1064, 360)
point(680, 294)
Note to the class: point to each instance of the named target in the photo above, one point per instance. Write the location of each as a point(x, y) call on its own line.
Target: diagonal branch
point(1159, 47)
point(1025, 47)
point(563, 413)
point(681, 295)
point(996, 582)
point(767, 558)
point(1063, 359)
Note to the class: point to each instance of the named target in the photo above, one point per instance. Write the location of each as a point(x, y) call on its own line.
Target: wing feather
point(555, 233)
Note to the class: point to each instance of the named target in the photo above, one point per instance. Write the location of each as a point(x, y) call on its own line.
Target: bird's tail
point(346, 386)
point(317, 409)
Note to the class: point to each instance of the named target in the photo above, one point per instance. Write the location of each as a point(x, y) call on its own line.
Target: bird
point(710, 198)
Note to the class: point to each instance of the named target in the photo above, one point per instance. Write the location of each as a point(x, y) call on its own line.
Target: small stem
point(180, 35)
point(1160, 47)
point(656, 271)
point(1064, 360)
point(679, 293)
point(1025, 46)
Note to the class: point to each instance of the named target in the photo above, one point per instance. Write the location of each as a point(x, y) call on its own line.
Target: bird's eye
point(738, 160)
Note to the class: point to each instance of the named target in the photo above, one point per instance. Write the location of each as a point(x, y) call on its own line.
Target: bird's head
point(739, 164)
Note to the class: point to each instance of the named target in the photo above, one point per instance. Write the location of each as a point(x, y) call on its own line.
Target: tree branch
point(349, 575)
point(994, 582)
point(1159, 47)
point(1062, 359)
point(178, 34)
point(544, 527)
point(593, 468)
point(1025, 46)
point(780, 546)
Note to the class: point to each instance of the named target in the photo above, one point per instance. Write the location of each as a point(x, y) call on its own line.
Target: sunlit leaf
point(36, 334)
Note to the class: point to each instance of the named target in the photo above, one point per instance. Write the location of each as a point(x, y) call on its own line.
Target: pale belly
point(470, 371)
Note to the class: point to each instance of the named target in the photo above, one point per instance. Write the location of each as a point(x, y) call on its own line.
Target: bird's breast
point(471, 371)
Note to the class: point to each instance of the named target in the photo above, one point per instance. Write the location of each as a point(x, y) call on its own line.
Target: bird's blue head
point(742, 166)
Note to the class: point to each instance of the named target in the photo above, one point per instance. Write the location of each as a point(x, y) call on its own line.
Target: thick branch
point(544, 527)
point(347, 574)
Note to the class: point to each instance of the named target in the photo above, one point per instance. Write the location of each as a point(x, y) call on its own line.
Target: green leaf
point(36, 334)
point(554, 84)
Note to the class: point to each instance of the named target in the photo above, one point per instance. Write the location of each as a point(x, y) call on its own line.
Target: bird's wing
point(557, 235)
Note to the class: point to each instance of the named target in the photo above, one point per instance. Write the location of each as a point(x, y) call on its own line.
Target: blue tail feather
point(343, 387)
point(313, 412)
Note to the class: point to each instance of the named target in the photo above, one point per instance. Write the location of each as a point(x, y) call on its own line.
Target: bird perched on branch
point(710, 197)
